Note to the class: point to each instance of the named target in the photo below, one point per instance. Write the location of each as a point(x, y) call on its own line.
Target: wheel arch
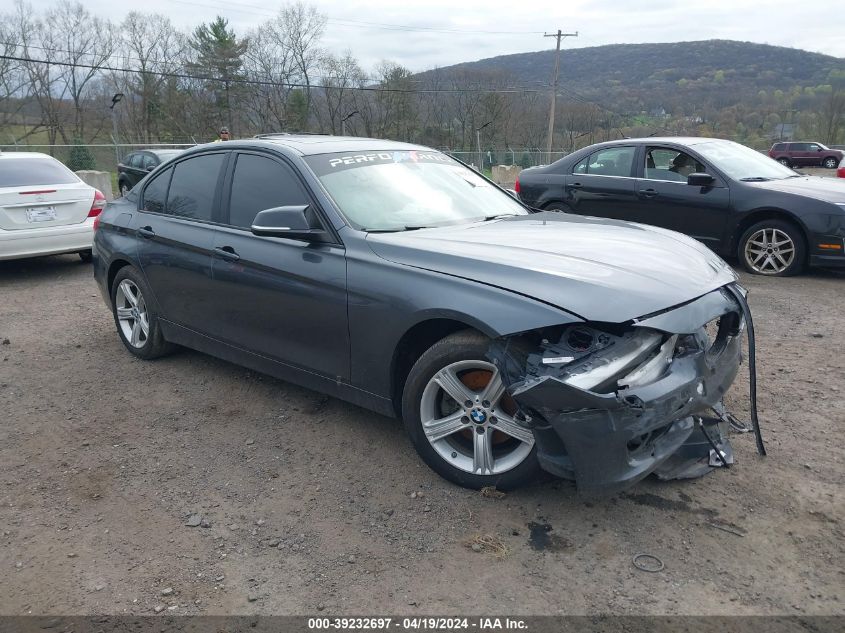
point(758, 215)
point(414, 342)
point(114, 268)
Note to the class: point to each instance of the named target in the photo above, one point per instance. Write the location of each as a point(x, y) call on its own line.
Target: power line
point(278, 84)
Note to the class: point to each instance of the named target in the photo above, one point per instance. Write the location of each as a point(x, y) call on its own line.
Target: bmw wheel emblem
point(478, 416)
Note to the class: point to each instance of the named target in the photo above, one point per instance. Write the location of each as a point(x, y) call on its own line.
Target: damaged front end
point(611, 403)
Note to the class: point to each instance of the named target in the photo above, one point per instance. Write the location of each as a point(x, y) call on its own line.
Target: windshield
point(26, 172)
point(396, 191)
point(742, 163)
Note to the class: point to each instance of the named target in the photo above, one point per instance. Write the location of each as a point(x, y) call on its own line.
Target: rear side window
point(614, 161)
point(136, 160)
point(193, 185)
point(779, 147)
point(26, 172)
point(149, 161)
point(261, 183)
point(155, 193)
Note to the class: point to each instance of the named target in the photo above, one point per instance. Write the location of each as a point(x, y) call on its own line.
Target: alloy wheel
point(132, 315)
point(769, 251)
point(471, 421)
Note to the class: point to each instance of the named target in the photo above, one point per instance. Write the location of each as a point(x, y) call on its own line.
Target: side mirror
point(150, 168)
point(700, 180)
point(513, 193)
point(289, 222)
point(819, 149)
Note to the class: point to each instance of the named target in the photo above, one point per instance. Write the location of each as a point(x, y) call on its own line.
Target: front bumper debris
point(608, 432)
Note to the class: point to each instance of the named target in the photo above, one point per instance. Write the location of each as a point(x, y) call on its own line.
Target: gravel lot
point(309, 504)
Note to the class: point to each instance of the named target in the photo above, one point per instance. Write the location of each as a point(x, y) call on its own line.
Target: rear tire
point(86, 256)
point(461, 442)
point(773, 248)
point(560, 207)
point(785, 162)
point(136, 320)
point(124, 189)
point(830, 163)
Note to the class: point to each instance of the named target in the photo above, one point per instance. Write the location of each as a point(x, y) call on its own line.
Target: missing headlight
point(592, 359)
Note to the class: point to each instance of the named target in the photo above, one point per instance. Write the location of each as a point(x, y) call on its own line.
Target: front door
point(281, 298)
point(666, 200)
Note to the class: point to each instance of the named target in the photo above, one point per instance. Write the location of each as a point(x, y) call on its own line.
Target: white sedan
point(45, 209)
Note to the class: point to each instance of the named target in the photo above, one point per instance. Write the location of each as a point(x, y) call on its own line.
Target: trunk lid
point(42, 206)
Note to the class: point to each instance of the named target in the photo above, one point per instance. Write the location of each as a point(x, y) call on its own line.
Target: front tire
point(86, 256)
point(773, 248)
point(560, 207)
point(830, 163)
point(136, 320)
point(462, 421)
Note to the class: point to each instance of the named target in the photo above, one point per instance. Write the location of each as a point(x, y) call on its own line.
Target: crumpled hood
point(598, 269)
point(827, 189)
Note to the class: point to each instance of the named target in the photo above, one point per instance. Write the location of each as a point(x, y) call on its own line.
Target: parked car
point(731, 198)
point(138, 164)
point(394, 277)
point(806, 155)
point(45, 209)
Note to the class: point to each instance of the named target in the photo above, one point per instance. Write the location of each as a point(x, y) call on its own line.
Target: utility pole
point(559, 35)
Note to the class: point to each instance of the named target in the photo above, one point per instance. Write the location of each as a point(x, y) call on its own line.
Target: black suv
point(806, 155)
point(138, 164)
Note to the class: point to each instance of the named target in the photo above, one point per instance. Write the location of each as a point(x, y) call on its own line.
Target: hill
point(683, 77)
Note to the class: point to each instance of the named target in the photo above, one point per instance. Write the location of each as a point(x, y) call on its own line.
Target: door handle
point(576, 185)
point(227, 252)
point(147, 232)
point(647, 193)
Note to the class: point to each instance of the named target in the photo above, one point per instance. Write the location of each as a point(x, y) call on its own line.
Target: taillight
point(516, 185)
point(98, 205)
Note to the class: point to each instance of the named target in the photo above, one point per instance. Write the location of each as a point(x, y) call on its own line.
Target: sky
point(375, 30)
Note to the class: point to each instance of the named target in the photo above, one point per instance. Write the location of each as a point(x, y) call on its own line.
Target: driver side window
point(663, 163)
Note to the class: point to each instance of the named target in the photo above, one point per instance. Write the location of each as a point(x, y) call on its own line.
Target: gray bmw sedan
point(396, 278)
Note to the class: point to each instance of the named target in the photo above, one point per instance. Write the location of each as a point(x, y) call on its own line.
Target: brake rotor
point(477, 380)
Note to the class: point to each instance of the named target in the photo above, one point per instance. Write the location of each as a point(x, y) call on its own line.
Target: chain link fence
point(519, 157)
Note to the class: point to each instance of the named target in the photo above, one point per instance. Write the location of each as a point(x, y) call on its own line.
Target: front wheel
point(772, 247)
point(560, 207)
point(462, 421)
point(830, 163)
point(136, 320)
point(86, 256)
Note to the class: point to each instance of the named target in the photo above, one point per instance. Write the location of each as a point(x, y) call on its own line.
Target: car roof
point(312, 144)
point(681, 140)
point(25, 155)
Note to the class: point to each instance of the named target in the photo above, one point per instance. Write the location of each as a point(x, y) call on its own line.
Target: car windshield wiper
point(499, 215)
point(755, 179)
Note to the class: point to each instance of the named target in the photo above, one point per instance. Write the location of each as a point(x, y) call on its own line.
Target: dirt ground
point(310, 505)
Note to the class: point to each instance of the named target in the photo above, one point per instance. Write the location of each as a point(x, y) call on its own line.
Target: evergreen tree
point(80, 157)
point(219, 55)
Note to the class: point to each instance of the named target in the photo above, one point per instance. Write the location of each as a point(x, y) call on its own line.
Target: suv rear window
point(26, 172)
point(779, 147)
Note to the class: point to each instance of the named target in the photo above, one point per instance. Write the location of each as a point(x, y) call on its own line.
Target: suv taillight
point(516, 185)
point(98, 205)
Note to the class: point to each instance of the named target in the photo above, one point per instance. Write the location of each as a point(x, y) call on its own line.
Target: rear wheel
point(461, 419)
point(124, 189)
point(772, 247)
point(86, 256)
point(136, 320)
point(785, 162)
point(561, 207)
point(830, 163)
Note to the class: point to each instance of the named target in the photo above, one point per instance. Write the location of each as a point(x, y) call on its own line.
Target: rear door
point(39, 193)
point(175, 226)
point(603, 184)
point(281, 298)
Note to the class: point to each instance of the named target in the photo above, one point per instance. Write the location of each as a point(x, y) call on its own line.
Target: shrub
point(80, 157)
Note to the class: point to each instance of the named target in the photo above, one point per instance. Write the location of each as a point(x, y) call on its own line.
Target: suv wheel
point(772, 247)
point(785, 162)
point(830, 162)
point(136, 320)
point(462, 421)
